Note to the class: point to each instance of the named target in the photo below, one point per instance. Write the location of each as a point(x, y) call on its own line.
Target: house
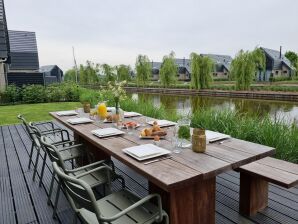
point(183, 66)
point(52, 73)
point(24, 63)
point(4, 46)
point(222, 65)
point(277, 65)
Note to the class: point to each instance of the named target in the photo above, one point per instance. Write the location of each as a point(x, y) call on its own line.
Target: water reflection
point(287, 111)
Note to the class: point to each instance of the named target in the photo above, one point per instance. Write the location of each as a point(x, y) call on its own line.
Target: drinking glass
point(129, 129)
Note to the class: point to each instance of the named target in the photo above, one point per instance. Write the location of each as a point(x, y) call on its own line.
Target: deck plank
point(282, 207)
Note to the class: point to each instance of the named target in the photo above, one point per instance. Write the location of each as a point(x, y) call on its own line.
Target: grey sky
point(116, 31)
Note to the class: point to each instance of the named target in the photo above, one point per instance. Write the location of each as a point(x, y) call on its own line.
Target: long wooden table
point(187, 181)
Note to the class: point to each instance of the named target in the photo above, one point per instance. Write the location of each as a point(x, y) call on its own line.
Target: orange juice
point(102, 111)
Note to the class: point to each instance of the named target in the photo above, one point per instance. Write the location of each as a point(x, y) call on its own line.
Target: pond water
point(286, 110)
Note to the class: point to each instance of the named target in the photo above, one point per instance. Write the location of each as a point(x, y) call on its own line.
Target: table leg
point(95, 152)
point(193, 204)
point(253, 194)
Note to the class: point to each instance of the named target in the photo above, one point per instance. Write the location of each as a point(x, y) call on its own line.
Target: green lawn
point(33, 112)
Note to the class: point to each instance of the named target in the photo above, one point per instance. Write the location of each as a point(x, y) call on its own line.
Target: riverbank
point(268, 95)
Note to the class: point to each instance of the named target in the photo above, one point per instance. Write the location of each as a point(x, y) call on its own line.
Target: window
point(214, 74)
point(276, 72)
point(285, 71)
point(225, 73)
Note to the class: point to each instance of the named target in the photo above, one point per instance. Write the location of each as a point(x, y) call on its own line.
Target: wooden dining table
point(187, 180)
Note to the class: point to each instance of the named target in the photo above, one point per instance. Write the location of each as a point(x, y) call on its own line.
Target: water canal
point(287, 111)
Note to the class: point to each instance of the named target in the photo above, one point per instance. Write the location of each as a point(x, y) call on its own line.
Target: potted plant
point(87, 98)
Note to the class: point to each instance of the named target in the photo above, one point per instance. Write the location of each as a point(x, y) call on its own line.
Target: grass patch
point(32, 112)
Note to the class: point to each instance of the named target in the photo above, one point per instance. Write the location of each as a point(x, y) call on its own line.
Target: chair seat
point(94, 179)
point(71, 154)
point(118, 201)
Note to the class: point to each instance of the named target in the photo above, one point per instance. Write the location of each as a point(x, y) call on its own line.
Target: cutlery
point(157, 160)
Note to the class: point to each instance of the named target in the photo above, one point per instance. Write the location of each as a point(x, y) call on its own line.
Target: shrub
point(34, 94)
point(12, 94)
point(54, 93)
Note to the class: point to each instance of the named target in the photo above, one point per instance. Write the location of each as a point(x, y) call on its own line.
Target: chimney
point(280, 52)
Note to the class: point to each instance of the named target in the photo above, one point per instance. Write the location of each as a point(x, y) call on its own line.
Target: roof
point(180, 62)
point(220, 60)
point(277, 60)
point(4, 41)
point(47, 68)
point(22, 41)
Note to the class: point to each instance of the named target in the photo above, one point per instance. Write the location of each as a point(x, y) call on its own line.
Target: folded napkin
point(79, 120)
point(145, 151)
point(107, 132)
point(212, 136)
point(163, 123)
point(131, 114)
point(110, 109)
point(66, 113)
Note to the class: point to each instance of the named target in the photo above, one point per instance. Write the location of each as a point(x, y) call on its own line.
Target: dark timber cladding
point(23, 47)
point(24, 78)
point(4, 41)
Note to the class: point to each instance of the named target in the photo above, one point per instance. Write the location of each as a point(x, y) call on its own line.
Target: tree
point(293, 58)
point(245, 66)
point(88, 74)
point(70, 75)
point(123, 72)
point(143, 68)
point(168, 70)
point(201, 70)
point(109, 72)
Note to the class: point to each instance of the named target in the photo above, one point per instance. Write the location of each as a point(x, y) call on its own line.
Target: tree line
point(243, 70)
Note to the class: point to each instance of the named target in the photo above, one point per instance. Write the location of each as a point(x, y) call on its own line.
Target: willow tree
point(123, 72)
point(143, 69)
point(88, 74)
point(70, 75)
point(245, 66)
point(109, 72)
point(168, 70)
point(201, 70)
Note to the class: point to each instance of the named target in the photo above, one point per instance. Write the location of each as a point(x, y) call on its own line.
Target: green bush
point(12, 94)
point(34, 94)
point(54, 93)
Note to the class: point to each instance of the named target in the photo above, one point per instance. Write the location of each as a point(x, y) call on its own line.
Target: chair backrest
point(25, 123)
point(78, 192)
point(52, 151)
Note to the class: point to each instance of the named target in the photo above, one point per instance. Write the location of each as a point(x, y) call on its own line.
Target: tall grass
point(264, 131)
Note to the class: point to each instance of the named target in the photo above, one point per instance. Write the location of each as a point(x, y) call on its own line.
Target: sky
point(116, 31)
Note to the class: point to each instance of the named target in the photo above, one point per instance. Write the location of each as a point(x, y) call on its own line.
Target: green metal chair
point(94, 174)
point(61, 138)
point(122, 207)
point(34, 142)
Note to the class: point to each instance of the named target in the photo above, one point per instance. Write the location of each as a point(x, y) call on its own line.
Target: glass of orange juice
point(102, 111)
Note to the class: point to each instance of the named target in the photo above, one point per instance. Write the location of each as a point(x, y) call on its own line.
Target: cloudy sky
point(116, 31)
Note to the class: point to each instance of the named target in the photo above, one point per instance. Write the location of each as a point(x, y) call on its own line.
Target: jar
point(199, 140)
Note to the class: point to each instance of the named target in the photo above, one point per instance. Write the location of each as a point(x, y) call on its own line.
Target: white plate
point(131, 114)
point(213, 136)
point(154, 150)
point(66, 113)
point(107, 132)
point(79, 120)
point(162, 123)
point(109, 109)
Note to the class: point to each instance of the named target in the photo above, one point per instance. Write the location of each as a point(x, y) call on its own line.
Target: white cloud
point(116, 31)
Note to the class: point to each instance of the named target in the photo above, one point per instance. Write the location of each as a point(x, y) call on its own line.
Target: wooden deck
point(23, 201)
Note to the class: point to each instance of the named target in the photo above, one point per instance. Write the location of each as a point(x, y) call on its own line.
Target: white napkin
point(66, 113)
point(146, 150)
point(79, 120)
point(131, 114)
point(215, 136)
point(163, 123)
point(109, 109)
point(107, 132)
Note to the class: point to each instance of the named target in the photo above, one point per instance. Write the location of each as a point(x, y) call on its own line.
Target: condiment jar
point(199, 140)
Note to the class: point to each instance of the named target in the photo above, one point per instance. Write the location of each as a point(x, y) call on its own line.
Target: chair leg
point(30, 156)
point(51, 188)
point(35, 165)
point(42, 169)
point(56, 200)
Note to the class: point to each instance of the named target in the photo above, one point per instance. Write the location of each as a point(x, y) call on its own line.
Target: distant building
point(277, 65)
point(183, 66)
point(222, 65)
point(52, 73)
